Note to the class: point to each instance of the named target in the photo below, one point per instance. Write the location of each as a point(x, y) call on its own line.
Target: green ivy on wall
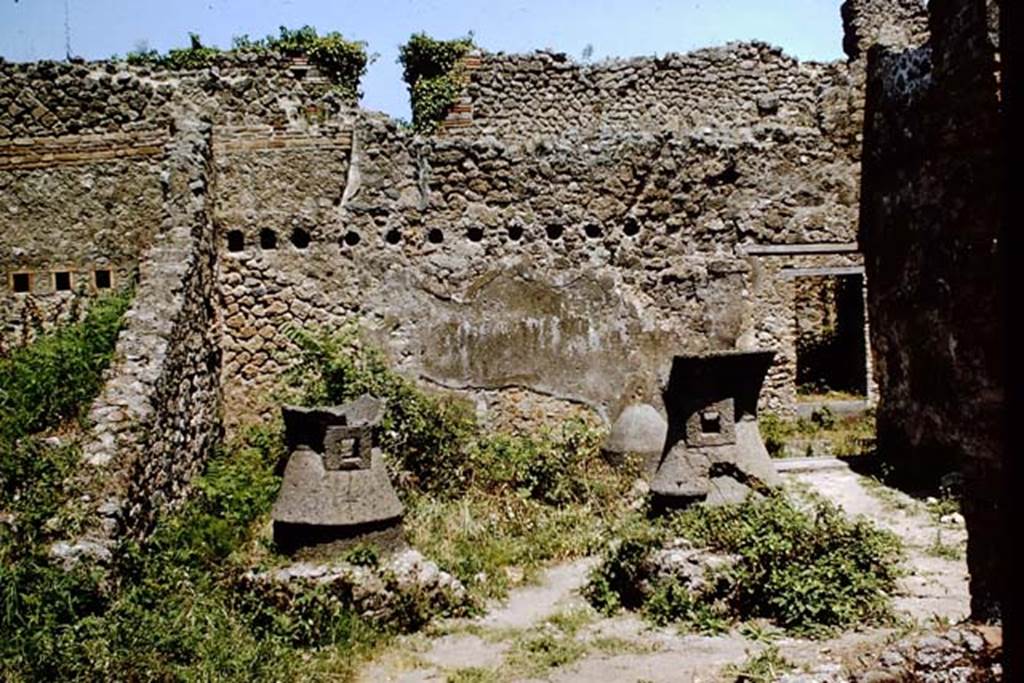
point(430, 68)
point(342, 61)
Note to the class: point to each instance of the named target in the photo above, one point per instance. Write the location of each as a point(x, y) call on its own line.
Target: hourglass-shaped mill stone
point(336, 489)
point(714, 452)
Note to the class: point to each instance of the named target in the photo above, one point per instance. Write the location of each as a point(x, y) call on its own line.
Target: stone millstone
point(313, 495)
point(639, 429)
point(715, 452)
point(336, 490)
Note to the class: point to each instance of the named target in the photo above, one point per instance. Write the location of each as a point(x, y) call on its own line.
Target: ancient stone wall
point(553, 269)
point(81, 148)
point(897, 23)
point(741, 85)
point(876, 22)
point(100, 181)
point(553, 255)
point(75, 215)
point(41, 99)
point(566, 272)
point(158, 416)
point(930, 219)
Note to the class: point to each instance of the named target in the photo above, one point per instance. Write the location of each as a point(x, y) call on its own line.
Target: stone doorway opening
point(832, 363)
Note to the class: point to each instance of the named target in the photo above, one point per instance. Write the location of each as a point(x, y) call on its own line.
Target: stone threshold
point(794, 465)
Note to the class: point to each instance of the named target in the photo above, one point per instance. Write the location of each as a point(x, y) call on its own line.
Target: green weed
point(479, 503)
point(472, 674)
point(537, 654)
point(428, 439)
point(764, 667)
point(944, 550)
point(52, 379)
point(808, 571)
point(485, 506)
point(822, 433)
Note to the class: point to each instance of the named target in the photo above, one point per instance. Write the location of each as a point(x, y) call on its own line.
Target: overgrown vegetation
point(807, 571)
point(946, 504)
point(343, 61)
point(944, 549)
point(169, 612)
point(195, 56)
point(538, 651)
point(427, 438)
point(430, 69)
point(492, 542)
point(435, 443)
point(44, 386)
point(48, 381)
point(946, 509)
point(489, 507)
point(173, 612)
point(890, 498)
point(822, 433)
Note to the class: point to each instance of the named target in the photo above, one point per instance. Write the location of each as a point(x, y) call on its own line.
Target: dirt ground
point(547, 631)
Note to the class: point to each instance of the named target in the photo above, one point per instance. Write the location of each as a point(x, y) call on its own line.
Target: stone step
point(791, 465)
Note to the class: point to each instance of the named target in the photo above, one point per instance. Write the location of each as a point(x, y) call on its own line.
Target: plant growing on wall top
point(195, 56)
point(430, 69)
point(342, 61)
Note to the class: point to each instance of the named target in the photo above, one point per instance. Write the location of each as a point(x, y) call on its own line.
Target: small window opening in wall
point(515, 232)
point(593, 230)
point(351, 238)
point(554, 232)
point(62, 281)
point(435, 236)
point(631, 226)
point(475, 234)
point(393, 236)
point(236, 241)
point(268, 239)
point(300, 238)
point(21, 282)
point(102, 279)
point(710, 422)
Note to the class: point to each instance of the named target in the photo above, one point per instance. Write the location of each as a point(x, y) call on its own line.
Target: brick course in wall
point(81, 147)
point(31, 153)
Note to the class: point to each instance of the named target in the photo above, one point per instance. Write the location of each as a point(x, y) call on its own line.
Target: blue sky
point(808, 29)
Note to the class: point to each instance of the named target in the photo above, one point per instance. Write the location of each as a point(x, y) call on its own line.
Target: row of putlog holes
point(300, 238)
